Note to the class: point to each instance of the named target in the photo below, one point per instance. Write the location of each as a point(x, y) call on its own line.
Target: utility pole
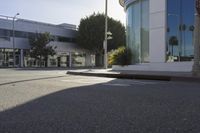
point(196, 65)
point(14, 60)
point(106, 35)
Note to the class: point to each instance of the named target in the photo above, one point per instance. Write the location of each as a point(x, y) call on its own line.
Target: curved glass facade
point(180, 30)
point(137, 26)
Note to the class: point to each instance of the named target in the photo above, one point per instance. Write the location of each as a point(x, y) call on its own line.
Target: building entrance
point(6, 58)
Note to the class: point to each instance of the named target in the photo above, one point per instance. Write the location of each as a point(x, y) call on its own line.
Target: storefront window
point(6, 57)
point(180, 30)
point(138, 30)
point(78, 59)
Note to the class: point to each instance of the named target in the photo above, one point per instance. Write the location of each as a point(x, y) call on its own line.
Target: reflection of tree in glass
point(173, 41)
point(144, 45)
point(191, 28)
point(182, 28)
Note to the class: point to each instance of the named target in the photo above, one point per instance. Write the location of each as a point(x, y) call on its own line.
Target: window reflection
point(138, 30)
point(180, 18)
point(6, 57)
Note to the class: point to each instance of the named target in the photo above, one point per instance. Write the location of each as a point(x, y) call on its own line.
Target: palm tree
point(180, 38)
point(184, 27)
point(191, 28)
point(173, 41)
point(167, 47)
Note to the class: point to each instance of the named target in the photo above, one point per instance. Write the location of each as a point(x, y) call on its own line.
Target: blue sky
point(60, 11)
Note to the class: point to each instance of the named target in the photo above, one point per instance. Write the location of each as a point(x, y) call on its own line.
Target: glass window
point(138, 30)
point(21, 34)
point(6, 57)
point(4, 34)
point(180, 18)
point(31, 35)
point(78, 59)
point(65, 39)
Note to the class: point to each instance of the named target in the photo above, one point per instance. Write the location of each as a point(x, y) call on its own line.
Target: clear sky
point(60, 11)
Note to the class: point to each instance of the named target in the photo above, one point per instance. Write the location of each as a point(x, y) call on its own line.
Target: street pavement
point(36, 101)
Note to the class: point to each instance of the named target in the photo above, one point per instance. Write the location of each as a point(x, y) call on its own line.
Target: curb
point(122, 76)
point(138, 76)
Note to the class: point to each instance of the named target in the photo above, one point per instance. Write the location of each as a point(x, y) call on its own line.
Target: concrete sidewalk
point(147, 75)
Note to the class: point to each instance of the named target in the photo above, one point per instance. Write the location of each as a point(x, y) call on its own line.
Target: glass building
point(160, 31)
point(180, 28)
point(138, 30)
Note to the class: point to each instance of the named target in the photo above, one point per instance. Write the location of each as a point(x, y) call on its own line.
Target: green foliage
point(91, 33)
point(121, 56)
point(39, 48)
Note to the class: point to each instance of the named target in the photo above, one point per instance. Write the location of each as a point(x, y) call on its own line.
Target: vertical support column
point(106, 36)
point(196, 65)
point(158, 24)
point(13, 39)
point(70, 59)
point(88, 60)
point(21, 58)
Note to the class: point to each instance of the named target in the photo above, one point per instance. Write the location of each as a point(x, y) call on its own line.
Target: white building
point(68, 54)
point(160, 34)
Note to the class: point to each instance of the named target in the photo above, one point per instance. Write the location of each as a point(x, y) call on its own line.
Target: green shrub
point(121, 56)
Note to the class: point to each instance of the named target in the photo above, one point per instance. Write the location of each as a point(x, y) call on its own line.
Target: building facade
point(68, 54)
point(160, 34)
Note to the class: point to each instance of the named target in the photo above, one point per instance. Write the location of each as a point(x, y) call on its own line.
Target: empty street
point(49, 101)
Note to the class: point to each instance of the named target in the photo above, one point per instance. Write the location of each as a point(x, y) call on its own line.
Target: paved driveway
point(34, 101)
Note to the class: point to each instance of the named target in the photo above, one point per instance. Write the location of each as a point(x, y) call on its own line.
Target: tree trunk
point(46, 61)
point(40, 62)
point(99, 60)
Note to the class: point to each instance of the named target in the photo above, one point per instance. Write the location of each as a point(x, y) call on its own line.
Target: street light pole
point(14, 61)
point(196, 65)
point(106, 36)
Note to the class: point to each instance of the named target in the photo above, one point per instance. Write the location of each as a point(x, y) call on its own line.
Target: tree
point(121, 56)
point(40, 50)
point(92, 30)
point(173, 41)
point(184, 27)
point(191, 28)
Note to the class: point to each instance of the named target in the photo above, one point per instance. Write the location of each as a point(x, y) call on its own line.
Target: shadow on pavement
point(52, 68)
point(102, 108)
point(19, 81)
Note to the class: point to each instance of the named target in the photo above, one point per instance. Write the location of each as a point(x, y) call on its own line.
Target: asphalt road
point(48, 101)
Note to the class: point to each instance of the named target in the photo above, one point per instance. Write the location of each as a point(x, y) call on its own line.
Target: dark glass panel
point(180, 18)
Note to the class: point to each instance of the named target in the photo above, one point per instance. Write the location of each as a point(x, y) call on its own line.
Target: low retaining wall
point(168, 67)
